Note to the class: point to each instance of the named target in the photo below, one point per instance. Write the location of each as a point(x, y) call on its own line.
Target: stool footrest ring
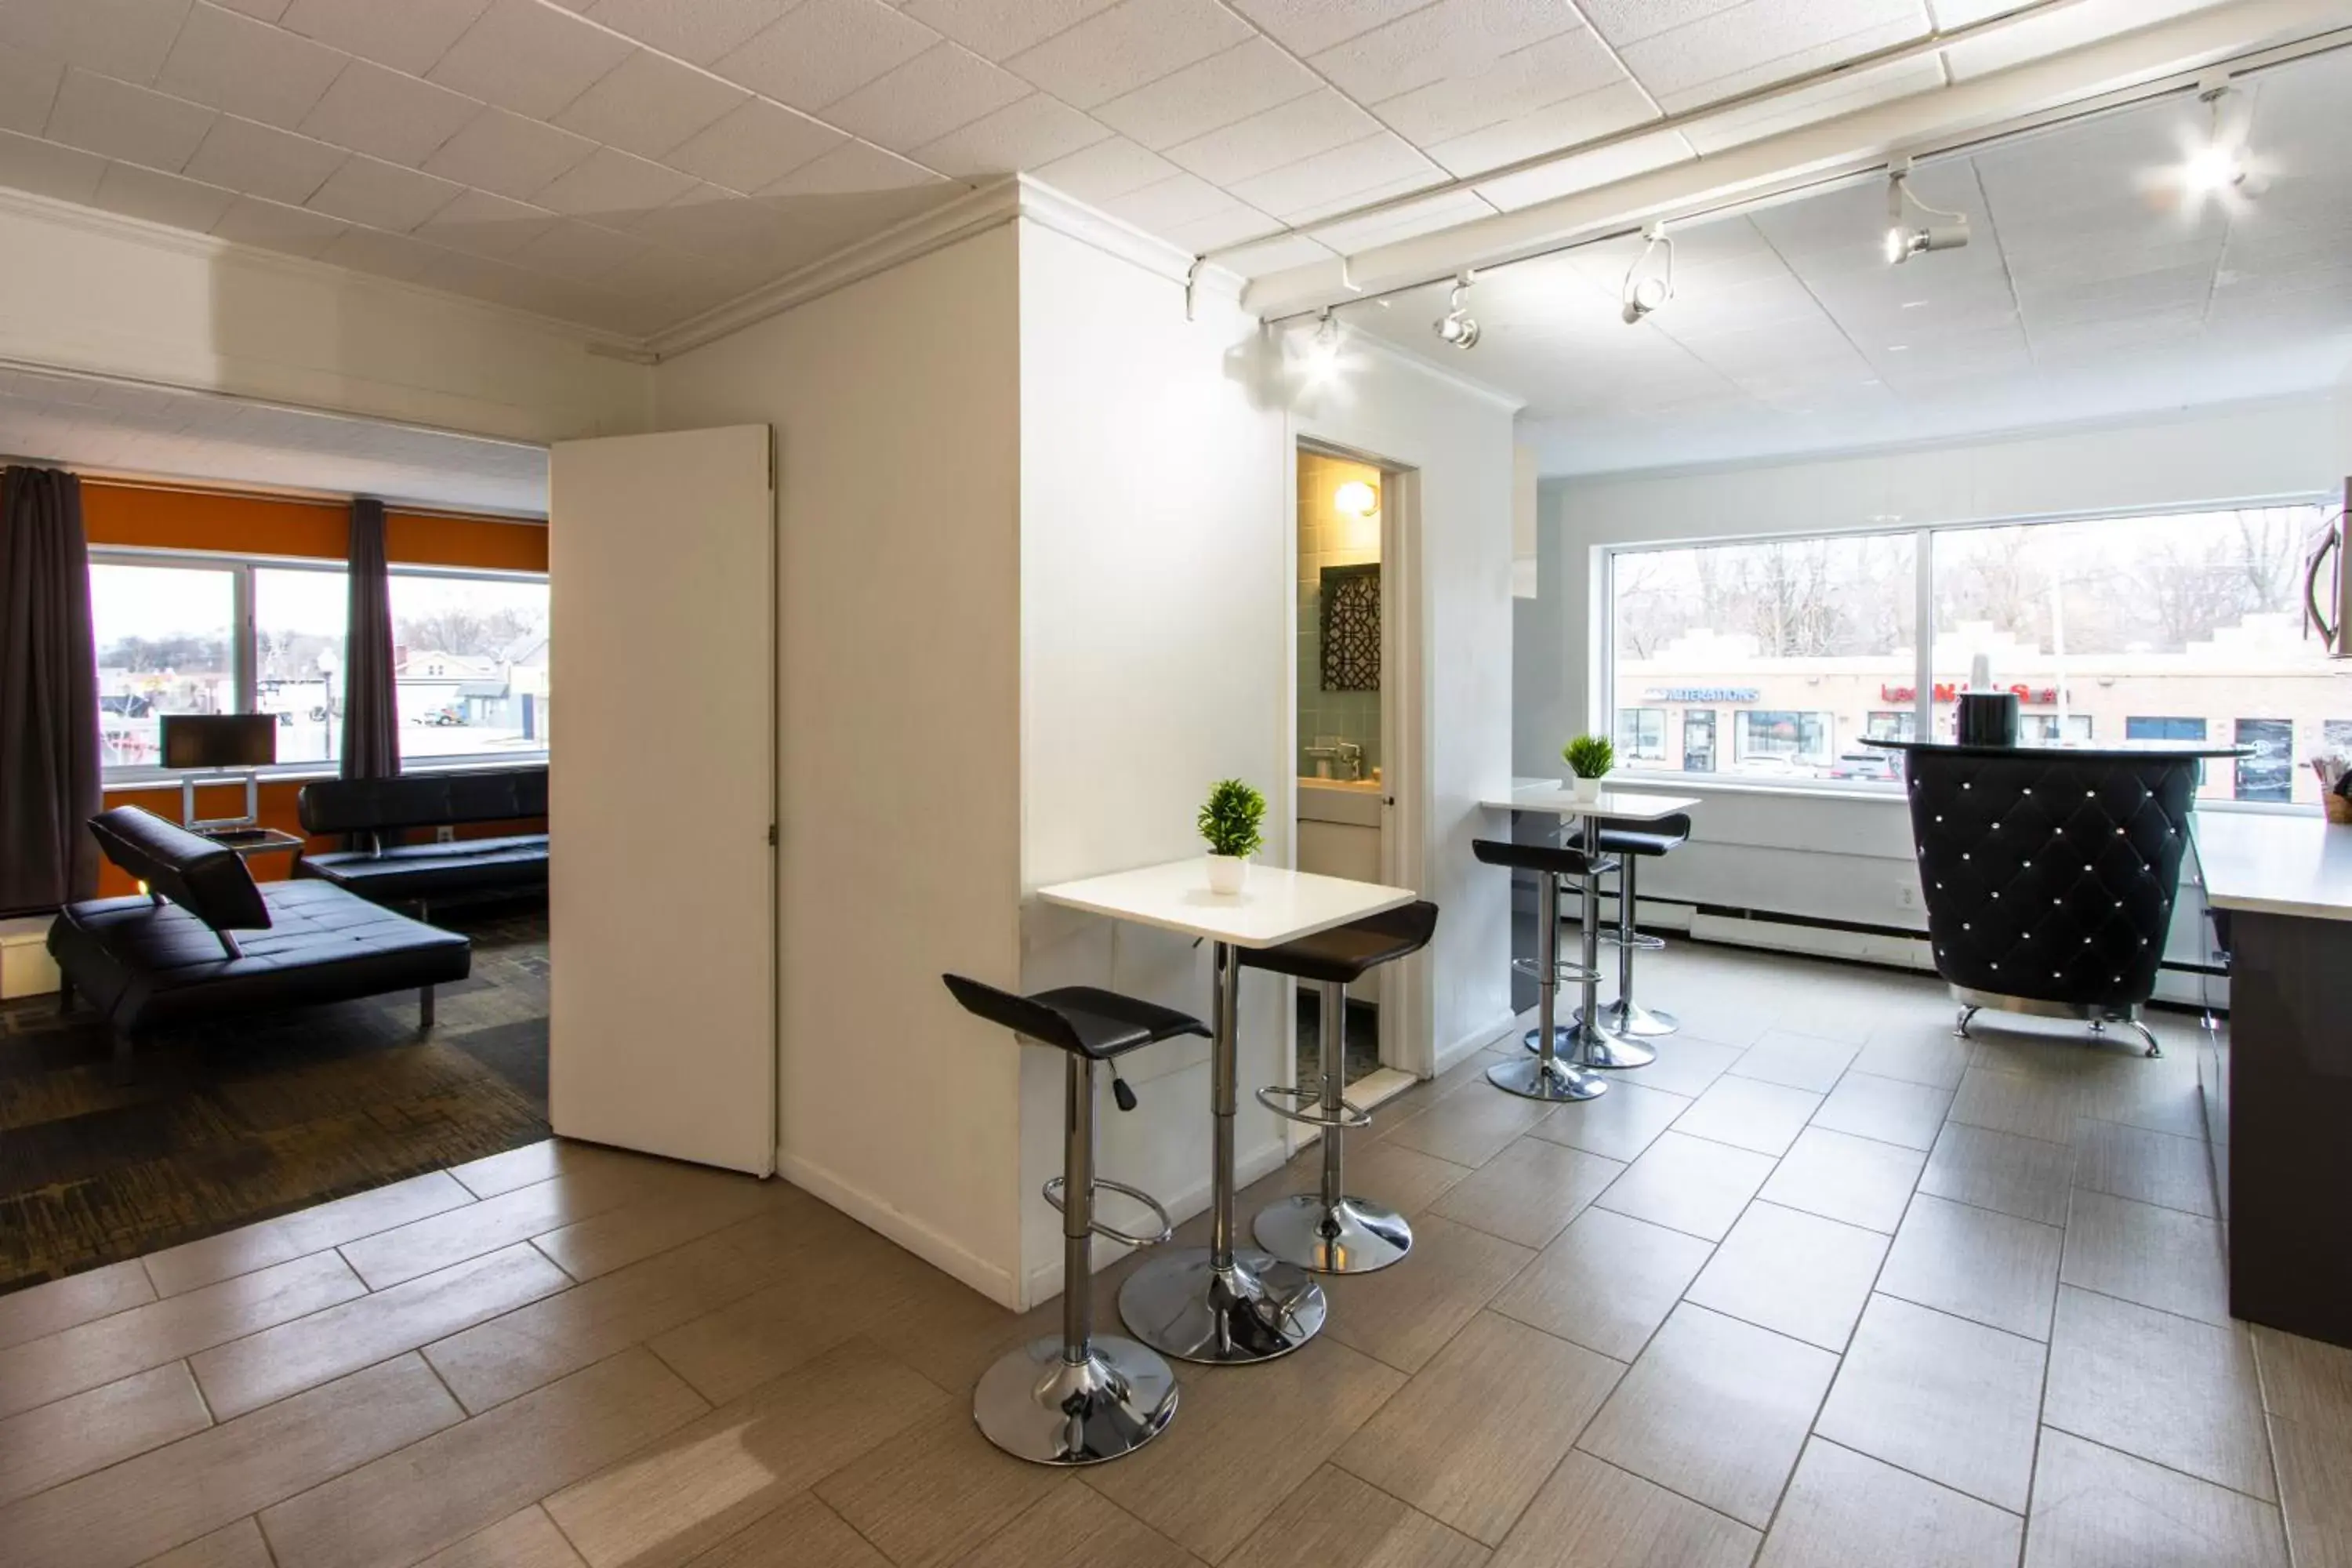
point(1567, 973)
point(1055, 1191)
point(1305, 1106)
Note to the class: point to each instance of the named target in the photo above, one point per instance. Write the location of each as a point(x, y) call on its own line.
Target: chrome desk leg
point(1222, 1303)
point(1549, 1075)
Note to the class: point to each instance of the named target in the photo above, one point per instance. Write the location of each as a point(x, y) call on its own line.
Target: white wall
point(895, 403)
point(113, 296)
point(1849, 858)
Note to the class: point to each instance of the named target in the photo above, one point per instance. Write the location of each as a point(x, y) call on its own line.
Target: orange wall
point(131, 516)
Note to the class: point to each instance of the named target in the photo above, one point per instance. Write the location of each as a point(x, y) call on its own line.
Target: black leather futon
point(208, 941)
point(390, 872)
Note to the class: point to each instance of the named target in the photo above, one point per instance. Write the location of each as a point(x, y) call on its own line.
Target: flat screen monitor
point(219, 742)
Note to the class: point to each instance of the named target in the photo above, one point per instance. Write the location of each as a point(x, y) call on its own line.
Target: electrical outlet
point(1908, 895)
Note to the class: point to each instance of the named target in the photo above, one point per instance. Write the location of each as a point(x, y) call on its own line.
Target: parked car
point(1877, 767)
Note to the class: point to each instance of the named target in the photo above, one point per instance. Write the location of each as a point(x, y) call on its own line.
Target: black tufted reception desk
point(2049, 873)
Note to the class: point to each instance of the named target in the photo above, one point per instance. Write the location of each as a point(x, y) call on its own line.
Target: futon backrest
point(207, 879)
point(422, 800)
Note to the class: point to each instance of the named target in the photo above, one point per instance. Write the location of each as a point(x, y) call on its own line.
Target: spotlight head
point(1645, 296)
point(1904, 241)
point(1320, 358)
point(1639, 296)
point(1457, 326)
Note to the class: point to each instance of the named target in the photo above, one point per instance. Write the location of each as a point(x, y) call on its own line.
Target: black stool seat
point(1645, 838)
point(1084, 1020)
point(1561, 860)
point(1340, 956)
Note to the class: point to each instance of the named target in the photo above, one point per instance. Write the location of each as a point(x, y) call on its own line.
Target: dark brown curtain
point(48, 695)
point(370, 705)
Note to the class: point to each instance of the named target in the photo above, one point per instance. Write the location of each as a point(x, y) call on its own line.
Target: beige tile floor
point(1826, 1287)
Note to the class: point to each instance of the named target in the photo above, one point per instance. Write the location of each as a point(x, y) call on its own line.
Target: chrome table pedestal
point(1549, 1075)
point(1220, 1303)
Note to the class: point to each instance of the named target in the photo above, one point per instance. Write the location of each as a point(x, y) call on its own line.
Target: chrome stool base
point(1553, 1078)
point(1631, 1018)
point(1260, 1308)
point(1351, 1237)
point(1037, 1406)
point(1604, 1048)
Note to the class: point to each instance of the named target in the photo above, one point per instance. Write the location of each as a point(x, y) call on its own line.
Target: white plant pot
point(1227, 873)
point(1585, 789)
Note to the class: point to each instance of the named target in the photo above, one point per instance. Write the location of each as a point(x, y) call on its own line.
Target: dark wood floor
point(231, 1123)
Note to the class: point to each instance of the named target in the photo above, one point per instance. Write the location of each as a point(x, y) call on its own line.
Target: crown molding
point(1075, 219)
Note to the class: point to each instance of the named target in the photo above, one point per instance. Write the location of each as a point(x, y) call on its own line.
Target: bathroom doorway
point(1343, 795)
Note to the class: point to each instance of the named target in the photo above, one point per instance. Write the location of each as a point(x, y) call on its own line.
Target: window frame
point(245, 655)
point(1602, 694)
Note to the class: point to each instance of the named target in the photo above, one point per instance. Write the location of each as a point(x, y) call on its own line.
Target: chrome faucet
point(1351, 757)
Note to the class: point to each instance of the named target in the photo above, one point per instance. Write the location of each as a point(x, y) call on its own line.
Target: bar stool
point(1629, 842)
point(1082, 1399)
point(1330, 1231)
point(1549, 1076)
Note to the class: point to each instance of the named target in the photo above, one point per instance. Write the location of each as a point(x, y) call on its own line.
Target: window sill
point(146, 779)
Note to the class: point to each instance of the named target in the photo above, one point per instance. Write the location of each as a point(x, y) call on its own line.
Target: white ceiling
point(630, 163)
point(86, 424)
point(2089, 288)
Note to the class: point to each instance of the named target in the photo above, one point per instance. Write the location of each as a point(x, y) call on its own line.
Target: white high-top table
point(1563, 1053)
point(1219, 1303)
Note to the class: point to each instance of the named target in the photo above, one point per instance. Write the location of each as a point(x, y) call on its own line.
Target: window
point(1641, 734)
point(469, 655)
point(2170, 626)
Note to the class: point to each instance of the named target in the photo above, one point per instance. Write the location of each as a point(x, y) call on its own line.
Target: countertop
point(2275, 865)
point(2111, 751)
point(1275, 906)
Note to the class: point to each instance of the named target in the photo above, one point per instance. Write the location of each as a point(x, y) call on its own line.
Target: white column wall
point(895, 407)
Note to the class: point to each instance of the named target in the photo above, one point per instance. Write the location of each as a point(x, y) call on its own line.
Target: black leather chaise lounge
point(207, 941)
point(423, 874)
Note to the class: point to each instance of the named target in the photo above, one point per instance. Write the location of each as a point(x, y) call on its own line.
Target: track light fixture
point(1320, 359)
point(1640, 295)
point(1904, 238)
point(2221, 165)
point(1457, 326)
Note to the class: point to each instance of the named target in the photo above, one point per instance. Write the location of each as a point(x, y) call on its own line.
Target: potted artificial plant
point(1589, 758)
point(1230, 819)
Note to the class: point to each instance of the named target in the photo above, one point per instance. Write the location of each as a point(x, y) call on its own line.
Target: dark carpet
point(228, 1123)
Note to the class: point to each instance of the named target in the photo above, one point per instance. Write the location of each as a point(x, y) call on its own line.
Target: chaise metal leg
point(1961, 1027)
point(1329, 1231)
point(2146, 1033)
point(425, 1009)
point(1549, 1075)
point(1077, 1399)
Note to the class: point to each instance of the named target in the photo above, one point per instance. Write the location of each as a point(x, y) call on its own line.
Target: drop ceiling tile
point(1764, 41)
point(263, 161)
point(380, 194)
point(854, 168)
point(483, 225)
point(647, 105)
point(582, 251)
point(98, 115)
point(754, 146)
point(388, 115)
point(944, 88)
point(1274, 137)
point(1208, 95)
point(126, 40)
point(695, 31)
point(613, 188)
point(721, 224)
point(823, 50)
point(1554, 126)
point(29, 86)
point(999, 29)
point(2069, 29)
point(1033, 132)
point(1562, 67)
point(273, 225)
point(528, 58)
point(1134, 42)
point(160, 199)
point(508, 155)
point(854, 191)
point(385, 254)
point(1323, 182)
point(1307, 26)
point(45, 169)
point(266, 10)
point(1175, 202)
point(1451, 38)
point(1587, 171)
point(1429, 217)
point(1844, 95)
point(248, 68)
point(411, 35)
point(1232, 226)
point(1107, 170)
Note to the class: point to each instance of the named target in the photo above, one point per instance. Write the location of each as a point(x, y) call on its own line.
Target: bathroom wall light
point(1905, 239)
point(1356, 499)
point(1640, 296)
point(1457, 326)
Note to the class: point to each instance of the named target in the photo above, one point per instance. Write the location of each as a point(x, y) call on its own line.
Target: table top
point(1628, 805)
point(1274, 905)
point(2271, 865)
point(2121, 750)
